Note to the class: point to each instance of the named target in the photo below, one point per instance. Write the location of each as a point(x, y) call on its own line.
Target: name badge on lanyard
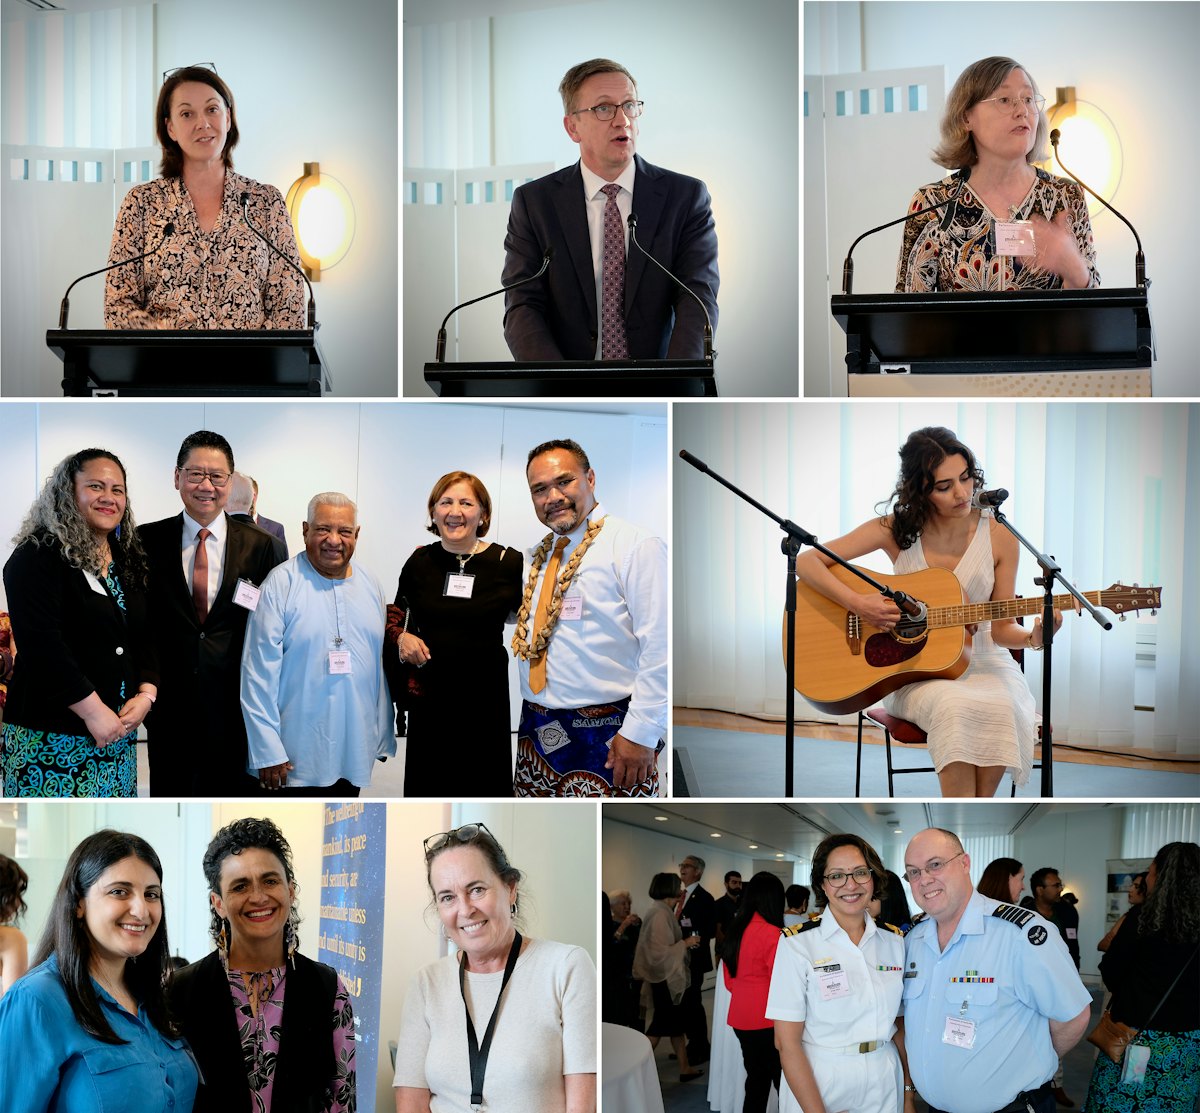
point(459, 585)
point(960, 1032)
point(1014, 237)
point(339, 662)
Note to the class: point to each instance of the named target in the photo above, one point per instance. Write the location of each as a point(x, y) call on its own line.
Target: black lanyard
point(479, 1055)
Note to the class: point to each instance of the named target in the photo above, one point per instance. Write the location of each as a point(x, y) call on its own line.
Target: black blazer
point(71, 640)
point(701, 909)
point(555, 318)
point(200, 1001)
point(198, 701)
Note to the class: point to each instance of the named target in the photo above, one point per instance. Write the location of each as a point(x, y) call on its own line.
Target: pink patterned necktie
point(200, 576)
point(613, 344)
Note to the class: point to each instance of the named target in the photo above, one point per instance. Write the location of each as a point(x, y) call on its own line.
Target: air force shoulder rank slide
point(1013, 913)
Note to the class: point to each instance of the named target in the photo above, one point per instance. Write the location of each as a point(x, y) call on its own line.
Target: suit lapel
point(231, 566)
point(571, 211)
point(649, 200)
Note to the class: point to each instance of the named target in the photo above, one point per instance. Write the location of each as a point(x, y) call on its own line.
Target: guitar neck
point(970, 613)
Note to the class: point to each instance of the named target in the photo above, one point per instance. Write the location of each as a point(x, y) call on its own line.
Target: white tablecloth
point(628, 1076)
point(726, 1071)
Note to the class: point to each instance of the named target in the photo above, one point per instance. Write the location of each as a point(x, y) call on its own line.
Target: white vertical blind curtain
point(1110, 490)
point(81, 79)
point(1146, 828)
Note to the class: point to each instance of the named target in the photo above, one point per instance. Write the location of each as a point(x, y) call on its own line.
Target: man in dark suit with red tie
point(205, 572)
point(601, 298)
point(698, 916)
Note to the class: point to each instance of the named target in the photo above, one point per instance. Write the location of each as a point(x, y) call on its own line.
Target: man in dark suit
point(601, 298)
point(205, 571)
point(240, 505)
point(697, 917)
point(269, 524)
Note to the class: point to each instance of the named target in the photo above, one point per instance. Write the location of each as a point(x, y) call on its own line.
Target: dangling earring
point(223, 945)
point(513, 909)
point(291, 940)
point(442, 931)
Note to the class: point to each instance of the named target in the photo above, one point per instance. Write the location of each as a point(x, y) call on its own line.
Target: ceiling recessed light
point(660, 819)
point(779, 855)
point(715, 835)
point(753, 846)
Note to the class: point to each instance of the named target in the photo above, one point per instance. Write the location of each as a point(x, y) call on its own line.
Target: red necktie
point(613, 342)
point(200, 576)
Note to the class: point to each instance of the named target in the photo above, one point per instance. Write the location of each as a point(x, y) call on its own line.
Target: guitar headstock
point(1122, 599)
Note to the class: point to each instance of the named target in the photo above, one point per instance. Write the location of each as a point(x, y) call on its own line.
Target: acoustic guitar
point(844, 664)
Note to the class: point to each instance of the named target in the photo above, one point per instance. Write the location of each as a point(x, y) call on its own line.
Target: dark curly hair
point(172, 160)
point(13, 883)
point(1172, 906)
point(821, 856)
point(920, 457)
point(233, 838)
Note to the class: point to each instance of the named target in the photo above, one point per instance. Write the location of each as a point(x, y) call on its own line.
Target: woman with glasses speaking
point(205, 266)
point(835, 994)
point(507, 1022)
point(999, 223)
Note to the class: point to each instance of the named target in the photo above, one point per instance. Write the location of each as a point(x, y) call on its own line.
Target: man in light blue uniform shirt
point(991, 996)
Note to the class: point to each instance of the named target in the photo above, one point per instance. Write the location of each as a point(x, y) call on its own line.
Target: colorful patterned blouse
point(964, 256)
point(223, 279)
point(258, 998)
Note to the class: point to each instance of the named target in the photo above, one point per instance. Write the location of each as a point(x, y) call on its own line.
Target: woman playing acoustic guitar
point(982, 724)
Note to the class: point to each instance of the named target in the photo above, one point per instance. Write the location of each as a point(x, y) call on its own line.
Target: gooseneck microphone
point(1139, 260)
point(988, 500)
point(708, 332)
point(439, 355)
point(312, 305)
point(952, 206)
point(65, 307)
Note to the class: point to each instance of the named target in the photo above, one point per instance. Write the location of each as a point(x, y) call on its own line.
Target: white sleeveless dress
point(986, 716)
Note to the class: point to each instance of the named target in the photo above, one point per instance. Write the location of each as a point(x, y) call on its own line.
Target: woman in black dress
point(454, 597)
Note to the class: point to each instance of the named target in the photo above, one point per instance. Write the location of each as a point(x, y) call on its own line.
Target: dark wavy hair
point(13, 883)
point(67, 938)
point(233, 838)
point(481, 494)
point(1172, 906)
point(564, 444)
point(994, 881)
point(893, 905)
point(831, 843)
point(920, 457)
point(55, 520)
point(763, 894)
point(172, 160)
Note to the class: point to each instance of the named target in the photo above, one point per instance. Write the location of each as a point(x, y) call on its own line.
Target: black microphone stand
point(1051, 571)
point(791, 544)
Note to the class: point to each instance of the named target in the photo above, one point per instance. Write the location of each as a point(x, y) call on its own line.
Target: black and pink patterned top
point(223, 279)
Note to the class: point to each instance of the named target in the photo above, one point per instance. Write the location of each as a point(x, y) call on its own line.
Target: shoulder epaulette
point(919, 918)
point(891, 927)
point(808, 925)
point(1013, 913)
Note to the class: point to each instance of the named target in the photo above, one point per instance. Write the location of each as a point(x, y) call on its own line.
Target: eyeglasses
point(1010, 104)
point(465, 833)
point(605, 112)
point(838, 878)
point(194, 66)
point(196, 476)
point(933, 867)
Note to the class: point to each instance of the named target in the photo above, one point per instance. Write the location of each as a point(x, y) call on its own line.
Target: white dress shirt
point(592, 186)
point(214, 545)
point(618, 645)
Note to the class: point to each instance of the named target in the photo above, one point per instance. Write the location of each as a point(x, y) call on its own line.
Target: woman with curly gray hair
point(1152, 969)
point(85, 676)
point(270, 1028)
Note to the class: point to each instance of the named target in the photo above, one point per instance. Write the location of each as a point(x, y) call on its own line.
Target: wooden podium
point(163, 363)
point(623, 378)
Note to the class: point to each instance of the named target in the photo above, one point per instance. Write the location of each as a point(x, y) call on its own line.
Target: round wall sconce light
point(1089, 145)
point(323, 216)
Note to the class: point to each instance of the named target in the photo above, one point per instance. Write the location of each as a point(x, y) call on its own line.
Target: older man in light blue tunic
point(317, 711)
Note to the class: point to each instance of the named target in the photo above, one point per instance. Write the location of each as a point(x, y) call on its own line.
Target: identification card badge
point(572, 608)
point(959, 1032)
point(1014, 237)
point(1133, 1066)
point(459, 585)
point(834, 984)
point(246, 595)
point(339, 662)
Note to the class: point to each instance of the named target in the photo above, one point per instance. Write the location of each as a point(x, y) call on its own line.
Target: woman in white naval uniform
point(835, 992)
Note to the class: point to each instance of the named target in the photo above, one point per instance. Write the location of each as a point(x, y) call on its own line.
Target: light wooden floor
point(725, 720)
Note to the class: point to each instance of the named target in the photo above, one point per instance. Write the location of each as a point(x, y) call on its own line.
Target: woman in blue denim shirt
point(87, 1029)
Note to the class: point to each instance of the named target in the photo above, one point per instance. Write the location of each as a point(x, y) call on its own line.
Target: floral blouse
point(964, 256)
point(258, 999)
point(223, 279)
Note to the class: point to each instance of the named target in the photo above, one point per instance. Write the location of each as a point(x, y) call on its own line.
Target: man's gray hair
point(695, 860)
point(241, 494)
point(330, 498)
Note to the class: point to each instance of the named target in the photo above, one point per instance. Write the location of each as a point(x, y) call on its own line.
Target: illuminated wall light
point(322, 214)
point(1088, 144)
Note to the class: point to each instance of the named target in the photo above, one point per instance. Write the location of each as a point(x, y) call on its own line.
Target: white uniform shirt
point(596, 200)
point(617, 647)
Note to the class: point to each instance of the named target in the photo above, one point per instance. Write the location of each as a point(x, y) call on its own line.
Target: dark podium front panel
point(156, 363)
point(996, 332)
point(625, 378)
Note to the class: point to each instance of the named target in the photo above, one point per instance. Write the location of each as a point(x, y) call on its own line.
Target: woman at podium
point(205, 267)
point(1000, 223)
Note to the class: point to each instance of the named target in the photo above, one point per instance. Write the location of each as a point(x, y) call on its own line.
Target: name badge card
point(458, 585)
point(572, 608)
point(959, 1032)
point(834, 984)
point(246, 595)
point(339, 662)
point(1014, 238)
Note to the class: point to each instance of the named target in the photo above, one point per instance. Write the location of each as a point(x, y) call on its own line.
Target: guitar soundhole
point(883, 651)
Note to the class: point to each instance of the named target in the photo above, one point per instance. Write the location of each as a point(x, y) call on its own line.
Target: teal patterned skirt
point(1172, 1080)
point(44, 763)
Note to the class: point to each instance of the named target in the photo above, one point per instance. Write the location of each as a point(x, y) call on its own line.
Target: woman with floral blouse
point(206, 268)
point(271, 1029)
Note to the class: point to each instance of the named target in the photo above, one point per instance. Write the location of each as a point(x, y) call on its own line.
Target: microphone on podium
point(65, 307)
point(708, 332)
point(312, 305)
